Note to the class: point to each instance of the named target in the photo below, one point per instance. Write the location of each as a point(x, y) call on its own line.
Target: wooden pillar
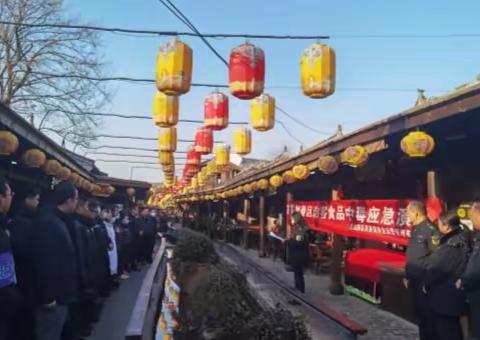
point(225, 220)
point(288, 225)
point(336, 285)
point(246, 213)
point(432, 184)
point(261, 208)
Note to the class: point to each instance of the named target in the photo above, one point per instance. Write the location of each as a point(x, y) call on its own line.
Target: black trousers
point(475, 321)
point(423, 312)
point(448, 328)
point(298, 277)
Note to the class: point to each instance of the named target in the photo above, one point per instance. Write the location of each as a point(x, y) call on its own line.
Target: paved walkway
point(381, 325)
point(118, 308)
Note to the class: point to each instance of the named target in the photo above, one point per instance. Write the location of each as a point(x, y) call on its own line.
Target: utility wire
point(121, 147)
point(128, 161)
point(126, 155)
point(138, 33)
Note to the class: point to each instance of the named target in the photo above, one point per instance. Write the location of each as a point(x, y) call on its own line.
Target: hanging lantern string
point(120, 136)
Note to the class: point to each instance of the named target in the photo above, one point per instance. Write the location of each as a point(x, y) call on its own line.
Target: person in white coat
point(108, 221)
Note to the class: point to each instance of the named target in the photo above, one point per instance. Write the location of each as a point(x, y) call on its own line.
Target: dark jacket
point(425, 238)
point(21, 237)
point(9, 295)
point(54, 258)
point(147, 225)
point(444, 268)
point(297, 253)
point(471, 276)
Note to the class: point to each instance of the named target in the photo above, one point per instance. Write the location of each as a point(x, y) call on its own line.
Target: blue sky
point(435, 64)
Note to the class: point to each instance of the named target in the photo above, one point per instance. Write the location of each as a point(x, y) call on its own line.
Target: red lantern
point(216, 111)
point(247, 71)
point(204, 141)
point(193, 157)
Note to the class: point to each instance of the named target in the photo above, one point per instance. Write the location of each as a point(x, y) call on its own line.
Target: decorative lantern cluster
point(417, 144)
point(216, 111)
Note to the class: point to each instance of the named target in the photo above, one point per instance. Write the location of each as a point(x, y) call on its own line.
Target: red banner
point(380, 220)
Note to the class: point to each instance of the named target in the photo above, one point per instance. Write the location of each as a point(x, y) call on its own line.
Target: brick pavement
point(381, 325)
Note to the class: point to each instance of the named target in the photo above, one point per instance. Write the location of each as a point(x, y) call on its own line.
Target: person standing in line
point(297, 250)
point(108, 221)
point(444, 268)
point(55, 264)
point(424, 239)
point(9, 295)
point(21, 236)
point(470, 279)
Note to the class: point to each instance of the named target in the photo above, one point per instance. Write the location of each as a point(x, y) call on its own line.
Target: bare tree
point(45, 72)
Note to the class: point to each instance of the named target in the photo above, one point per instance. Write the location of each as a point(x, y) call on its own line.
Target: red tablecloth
point(364, 263)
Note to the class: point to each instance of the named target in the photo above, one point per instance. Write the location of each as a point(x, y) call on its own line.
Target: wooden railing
point(142, 322)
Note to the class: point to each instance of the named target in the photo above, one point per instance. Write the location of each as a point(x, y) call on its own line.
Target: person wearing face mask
point(444, 267)
point(21, 236)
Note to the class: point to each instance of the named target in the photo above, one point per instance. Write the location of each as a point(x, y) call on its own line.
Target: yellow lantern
point(34, 158)
point(51, 167)
point(263, 184)
point(8, 143)
point(254, 186)
point(317, 71)
point(64, 173)
point(247, 188)
point(167, 139)
point(355, 156)
point(74, 178)
point(328, 165)
point(301, 171)
point(165, 110)
point(288, 177)
point(242, 141)
point(262, 112)
point(165, 158)
point(222, 155)
point(276, 181)
point(417, 144)
point(174, 68)
point(211, 168)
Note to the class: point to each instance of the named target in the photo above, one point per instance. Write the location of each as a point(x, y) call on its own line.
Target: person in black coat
point(425, 238)
point(444, 268)
point(55, 263)
point(9, 294)
point(21, 236)
point(147, 226)
point(297, 250)
point(470, 279)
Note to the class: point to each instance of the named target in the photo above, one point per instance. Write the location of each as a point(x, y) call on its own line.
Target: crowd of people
point(61, 255)
point(443, 273)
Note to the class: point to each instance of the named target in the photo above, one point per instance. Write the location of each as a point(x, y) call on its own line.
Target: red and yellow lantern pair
point(317, 71)
point(165, 110)
point(216, 111)
point(417, 144)
point(242, 141)
point(262, 112)
point(247, 71)
point(204, 141)
point(167, 139)
point(174, 68)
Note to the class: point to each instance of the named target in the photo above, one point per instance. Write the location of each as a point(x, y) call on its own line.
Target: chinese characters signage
point(380, 220)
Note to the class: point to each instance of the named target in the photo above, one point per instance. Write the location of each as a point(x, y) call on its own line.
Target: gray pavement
point(117, 309)
point(381, 325)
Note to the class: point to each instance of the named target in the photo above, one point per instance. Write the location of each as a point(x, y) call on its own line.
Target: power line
point(128, 161)
point(136, 32)
point(121, 147)
point(126, 155)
